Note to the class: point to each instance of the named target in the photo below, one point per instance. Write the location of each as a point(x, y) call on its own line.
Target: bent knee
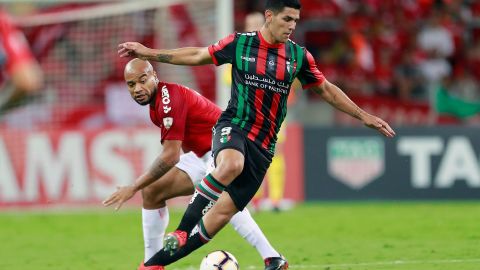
point(153, 197)
point(232, 167)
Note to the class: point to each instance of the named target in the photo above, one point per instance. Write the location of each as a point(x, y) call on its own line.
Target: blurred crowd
point(411, 50)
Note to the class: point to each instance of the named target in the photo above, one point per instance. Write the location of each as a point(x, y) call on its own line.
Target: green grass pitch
point(316, 236)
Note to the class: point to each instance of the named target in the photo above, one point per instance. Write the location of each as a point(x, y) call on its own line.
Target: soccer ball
point(219, 260)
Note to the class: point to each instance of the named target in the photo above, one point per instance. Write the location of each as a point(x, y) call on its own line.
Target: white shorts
point(196, 167)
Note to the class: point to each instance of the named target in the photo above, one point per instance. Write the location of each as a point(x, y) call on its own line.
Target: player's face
point(283, 23)
point(142, 87)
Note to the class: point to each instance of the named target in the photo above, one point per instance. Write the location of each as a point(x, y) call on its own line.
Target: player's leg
point(216, 218)
point(241, 190)
point(246, 226)
point(229, 165)
point(276, 181)
point(228, 147)
point(155, 216)
point(237, 196)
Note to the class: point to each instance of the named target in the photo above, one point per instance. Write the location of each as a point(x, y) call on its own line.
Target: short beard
point(152, 98)
point(143, 103)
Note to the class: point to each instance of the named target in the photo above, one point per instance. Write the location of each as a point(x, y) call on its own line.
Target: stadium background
point(83, 136)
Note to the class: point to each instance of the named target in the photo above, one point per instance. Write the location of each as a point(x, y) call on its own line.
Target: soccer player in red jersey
point(264, 65)
point(20, 73)
point(185, 119)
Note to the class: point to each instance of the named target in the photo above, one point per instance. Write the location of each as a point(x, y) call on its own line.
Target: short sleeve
point(14, 44)
point(224, 50)
point(309, 75)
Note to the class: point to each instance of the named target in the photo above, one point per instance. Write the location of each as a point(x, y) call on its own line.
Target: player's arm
point(188, 56)
point(162, 164)
point(338, 99)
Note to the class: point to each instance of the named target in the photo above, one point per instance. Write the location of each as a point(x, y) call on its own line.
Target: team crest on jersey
point(291, 67)
point(167, 122)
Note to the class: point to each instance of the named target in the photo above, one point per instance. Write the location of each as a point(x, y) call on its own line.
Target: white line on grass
point(397, 262)
point(346, 265)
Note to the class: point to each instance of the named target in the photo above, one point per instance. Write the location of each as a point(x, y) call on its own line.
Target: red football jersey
point(185, 115)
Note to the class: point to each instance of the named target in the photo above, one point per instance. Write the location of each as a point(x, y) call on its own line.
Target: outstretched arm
point(188, 56)
point(162, 164)
point(338, 99)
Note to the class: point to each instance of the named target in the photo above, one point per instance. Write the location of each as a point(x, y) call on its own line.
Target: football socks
point(205, 196)
point(154, 224)
point(244, 224)
point(194, 242)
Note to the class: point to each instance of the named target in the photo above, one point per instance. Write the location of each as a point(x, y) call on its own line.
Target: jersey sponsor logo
point(166, 99)
point(166, 109)
point(356, 161)
point(194, 231)
point(167, 122)
point(248, 59)
point(195, 194)
point(208, 207)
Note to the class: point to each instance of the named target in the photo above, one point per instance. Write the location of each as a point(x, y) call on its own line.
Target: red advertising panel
point(50, 168)
point(294, 164)
point(70, 167)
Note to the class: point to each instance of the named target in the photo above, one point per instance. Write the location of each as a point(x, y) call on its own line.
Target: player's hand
point(379, 124)
point(120, 196)
point(133, 49)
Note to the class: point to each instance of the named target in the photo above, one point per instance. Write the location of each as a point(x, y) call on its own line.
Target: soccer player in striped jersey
point(185, 119)
point(264, 65)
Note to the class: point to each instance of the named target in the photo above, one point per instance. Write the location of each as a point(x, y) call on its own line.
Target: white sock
point(154, 224)
point(244, 224)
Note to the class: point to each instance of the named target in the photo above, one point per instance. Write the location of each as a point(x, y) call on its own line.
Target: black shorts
point(257, 160)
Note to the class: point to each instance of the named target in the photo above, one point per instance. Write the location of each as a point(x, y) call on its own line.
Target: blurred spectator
point(399, 49)
point(355, 79)
point(383, 73)
point(407, 78)
point(473, 58)
point(21, 75)
point(434, 38)
point(435, 68)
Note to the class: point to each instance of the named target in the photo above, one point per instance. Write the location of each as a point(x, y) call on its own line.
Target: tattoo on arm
point(164, 58)
point(159, 168)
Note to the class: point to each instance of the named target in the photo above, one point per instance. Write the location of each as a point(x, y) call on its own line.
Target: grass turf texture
point(351, 235)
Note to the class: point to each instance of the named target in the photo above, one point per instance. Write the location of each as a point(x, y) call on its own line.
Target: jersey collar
point(267, 44)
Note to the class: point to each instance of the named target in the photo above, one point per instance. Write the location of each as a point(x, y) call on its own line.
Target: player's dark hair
point(278, 5)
